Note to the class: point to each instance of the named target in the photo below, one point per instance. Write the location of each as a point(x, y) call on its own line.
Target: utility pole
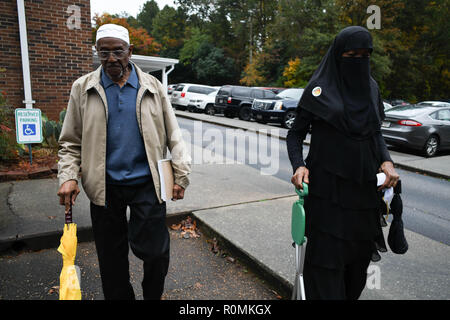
point(251, 39)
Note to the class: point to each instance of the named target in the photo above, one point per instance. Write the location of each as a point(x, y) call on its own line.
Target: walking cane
point(298, 235)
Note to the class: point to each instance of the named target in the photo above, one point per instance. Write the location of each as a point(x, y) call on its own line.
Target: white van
point(185, 92)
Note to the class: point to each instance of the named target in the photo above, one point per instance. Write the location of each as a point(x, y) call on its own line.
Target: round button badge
point(317, 91)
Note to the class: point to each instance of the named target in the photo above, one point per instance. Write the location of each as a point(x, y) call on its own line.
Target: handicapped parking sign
point(28, 126)
point(29, 129)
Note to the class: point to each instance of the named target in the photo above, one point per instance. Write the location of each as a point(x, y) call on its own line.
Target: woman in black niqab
point(342, 105)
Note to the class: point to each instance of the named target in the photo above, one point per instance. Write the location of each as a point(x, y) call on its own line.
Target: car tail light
point(183, 94)
point(409, 123)
point(229, 100)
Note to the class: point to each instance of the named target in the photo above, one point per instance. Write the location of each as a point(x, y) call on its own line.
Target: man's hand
point(68, 192)
point(301, 175)
point(178, 192)
point(391, 175)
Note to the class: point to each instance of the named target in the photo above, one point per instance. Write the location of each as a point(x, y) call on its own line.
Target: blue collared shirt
point(126, 160)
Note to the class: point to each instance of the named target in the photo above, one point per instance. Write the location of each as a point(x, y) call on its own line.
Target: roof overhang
point(146, 63)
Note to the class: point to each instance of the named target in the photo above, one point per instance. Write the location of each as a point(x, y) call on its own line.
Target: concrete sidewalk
point(247, 210)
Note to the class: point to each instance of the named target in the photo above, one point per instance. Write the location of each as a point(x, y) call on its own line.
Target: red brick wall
point(58, 55)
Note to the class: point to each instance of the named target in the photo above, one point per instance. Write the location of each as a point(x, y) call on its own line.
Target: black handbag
point(396, 237)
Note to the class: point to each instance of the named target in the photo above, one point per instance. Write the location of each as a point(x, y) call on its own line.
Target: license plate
point(259, 116)
point(220, 100)
point(385, 124)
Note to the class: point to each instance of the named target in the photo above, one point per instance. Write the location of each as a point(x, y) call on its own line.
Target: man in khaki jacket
point(118, 124)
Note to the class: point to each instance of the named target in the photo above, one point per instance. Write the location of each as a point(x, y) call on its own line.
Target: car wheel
point(210, 110)
point(431, 146)
point(190, 108)
point(245, 113)
point(228, 114)
point(289, 119)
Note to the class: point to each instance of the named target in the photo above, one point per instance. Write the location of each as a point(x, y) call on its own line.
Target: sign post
point(28, 127)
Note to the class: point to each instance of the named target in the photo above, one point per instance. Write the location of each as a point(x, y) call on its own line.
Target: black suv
point(237, 101)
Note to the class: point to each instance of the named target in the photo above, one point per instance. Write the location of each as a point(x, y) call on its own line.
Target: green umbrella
point(298, 235)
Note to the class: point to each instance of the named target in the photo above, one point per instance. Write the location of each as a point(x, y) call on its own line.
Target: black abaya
point(347, 148)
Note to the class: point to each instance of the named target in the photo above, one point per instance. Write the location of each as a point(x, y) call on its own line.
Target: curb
point(39, 173)
point(51, 239)
point(421, 171)
point(232, 126)
point(281, 285)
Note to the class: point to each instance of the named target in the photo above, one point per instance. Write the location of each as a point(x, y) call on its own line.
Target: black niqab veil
point(342, 91)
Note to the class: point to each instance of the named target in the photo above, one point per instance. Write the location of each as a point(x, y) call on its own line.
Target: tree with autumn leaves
point(143, 43)
point(288, 38)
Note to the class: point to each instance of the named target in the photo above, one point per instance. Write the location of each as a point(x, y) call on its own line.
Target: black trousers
point(146, 232)
point(335, 284)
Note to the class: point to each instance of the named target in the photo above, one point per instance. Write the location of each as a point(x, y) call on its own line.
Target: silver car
point(420, 127)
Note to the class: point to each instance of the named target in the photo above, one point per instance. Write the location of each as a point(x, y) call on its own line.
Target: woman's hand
point(301, 175)
point(391, 175)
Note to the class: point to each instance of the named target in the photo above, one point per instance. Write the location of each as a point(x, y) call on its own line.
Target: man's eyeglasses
point(118, 54)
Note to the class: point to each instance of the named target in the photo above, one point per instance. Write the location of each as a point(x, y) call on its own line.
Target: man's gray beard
point(121, 73)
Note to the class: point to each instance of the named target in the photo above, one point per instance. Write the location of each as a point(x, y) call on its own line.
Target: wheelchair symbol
point(29, 129)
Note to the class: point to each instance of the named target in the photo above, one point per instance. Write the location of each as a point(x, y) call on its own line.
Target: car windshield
point(294, 94)
point(224, 91)
point(425, 103)
point(411, 110)
point(434, 103)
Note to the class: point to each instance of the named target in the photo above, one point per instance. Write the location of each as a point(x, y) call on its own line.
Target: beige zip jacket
point(83, 136)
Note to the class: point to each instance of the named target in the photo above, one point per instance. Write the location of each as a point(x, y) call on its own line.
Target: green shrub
point(51, 130)
point(7, 135)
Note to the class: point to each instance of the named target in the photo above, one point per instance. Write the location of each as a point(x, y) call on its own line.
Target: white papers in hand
point(166, 178)
point(389, 192)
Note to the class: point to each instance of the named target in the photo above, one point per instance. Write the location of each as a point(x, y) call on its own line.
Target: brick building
point(59, 46)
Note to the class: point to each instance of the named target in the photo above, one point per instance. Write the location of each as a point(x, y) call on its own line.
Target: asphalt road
point(195, 273)
point(426, 200)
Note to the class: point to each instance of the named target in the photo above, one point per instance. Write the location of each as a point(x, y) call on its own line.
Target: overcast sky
point(118, 6)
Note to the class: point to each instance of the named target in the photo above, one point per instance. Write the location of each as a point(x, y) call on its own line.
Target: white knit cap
point(113, 31)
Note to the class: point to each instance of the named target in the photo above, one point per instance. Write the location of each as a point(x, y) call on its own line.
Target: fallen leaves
point(219, 252)
point(54, 289)
point(214, 246)
point(198, 285)
point(231, 259)
point(187, 228)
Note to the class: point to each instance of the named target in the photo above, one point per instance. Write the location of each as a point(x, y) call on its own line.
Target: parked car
point(397, 102)
point(387, 106)
point(235, 101)
point(275, 90)
point(185, 92)
point(280, 109)
point(434, 103)
point(170, 88)
point(204, 104)
point(420, 127)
